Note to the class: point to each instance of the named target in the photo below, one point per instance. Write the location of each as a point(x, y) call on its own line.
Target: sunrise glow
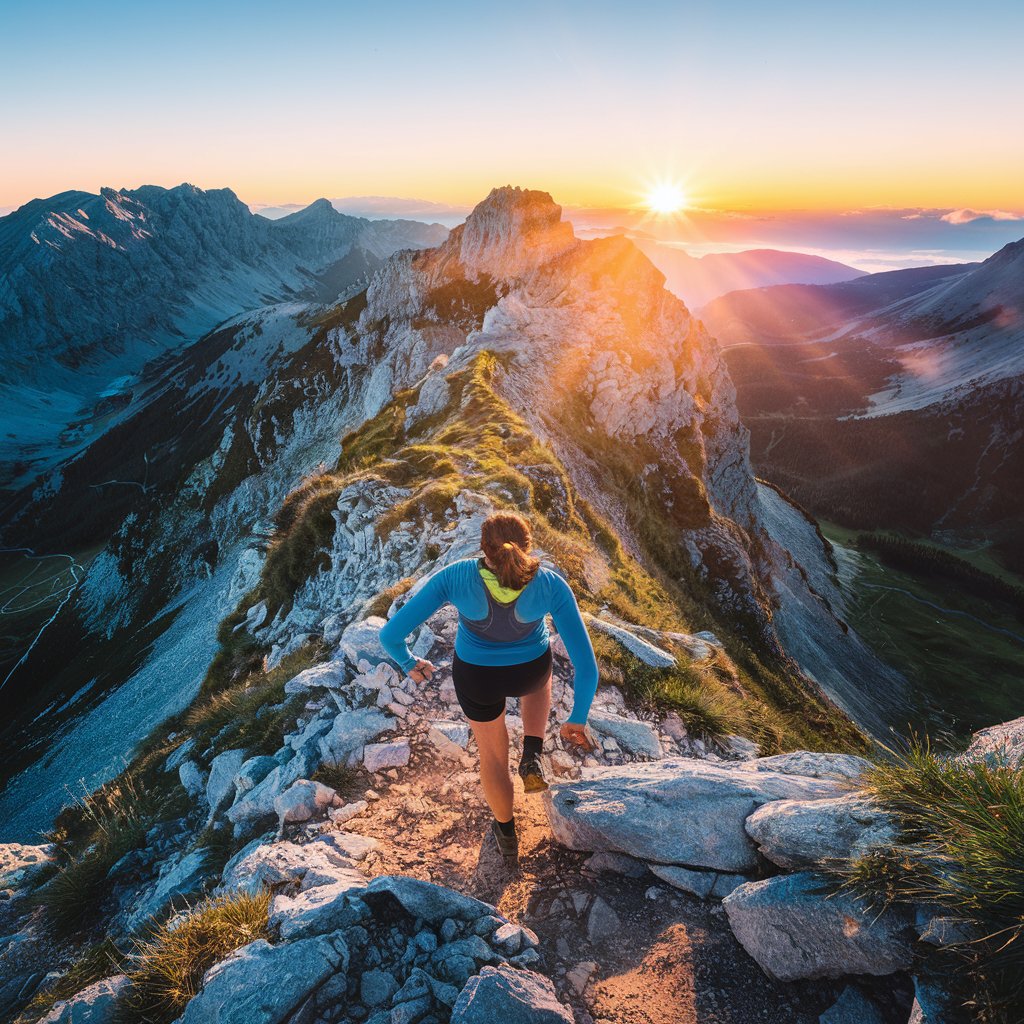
point(666, 198)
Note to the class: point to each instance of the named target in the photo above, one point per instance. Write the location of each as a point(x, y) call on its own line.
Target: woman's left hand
point(422, 671)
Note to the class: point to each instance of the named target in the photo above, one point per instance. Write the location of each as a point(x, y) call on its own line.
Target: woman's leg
point(535, 708)
point(492, 743)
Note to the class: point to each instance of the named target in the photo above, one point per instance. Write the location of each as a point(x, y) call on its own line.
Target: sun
point(666, 197)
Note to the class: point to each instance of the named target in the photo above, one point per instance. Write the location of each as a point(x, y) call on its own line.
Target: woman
point(502, 650)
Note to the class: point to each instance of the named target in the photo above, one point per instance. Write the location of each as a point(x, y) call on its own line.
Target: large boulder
point(351, 731)
point(360, 641)
point(673, 811)
point(220, 786)
point(433, 903)
point(635, 736)
point(815, 765)
point(647, 652)
point(264, 984)
point(253, 772)
point(325, 861)
point(96, 1004)
point(20, 862)
point(998, 745)
point(317, 911)
point(511, 996)
point(794, 929)
point(802, 833)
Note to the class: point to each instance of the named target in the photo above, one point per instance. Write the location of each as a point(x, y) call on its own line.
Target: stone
point(304, 799)
point(705, 884)
point(339, 815)
point(637, 737)
point(674, 727)
point(351, 731)
point(318, 910)
point(616, 864)
point(350, 844)
point(96, 1004)
point(814, 765)
point(433, 903)
point(377, 987)
point(178, 755)
point(579, 975)
point(21, 862)
point(321, 862)
point(803, 833)
point(794, 929)
point(934, 1005)
point(181, 875)
point(193, 779)
point(360, 641)
point(644, 650)
point(253, 771)
point(852, 1007)
point(236, 991)
point(997, 745)
point(328, 675)
point(379, 756)
point(258, 803)
point(510, 996)
point(673, 811)
point(740, 748)
point(220, 786)
point(940, 930)
point(603, 924)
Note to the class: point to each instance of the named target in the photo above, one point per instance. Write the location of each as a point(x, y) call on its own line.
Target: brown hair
point(506, 541)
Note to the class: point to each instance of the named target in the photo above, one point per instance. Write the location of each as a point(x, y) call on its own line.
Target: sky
point(748, 106)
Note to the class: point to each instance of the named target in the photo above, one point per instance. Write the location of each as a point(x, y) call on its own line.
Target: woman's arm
point(571, 628)
point(430, 596)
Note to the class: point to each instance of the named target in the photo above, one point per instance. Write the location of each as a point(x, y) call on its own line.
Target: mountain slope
point(93, 286)
point(314, 456)
point(892, 401)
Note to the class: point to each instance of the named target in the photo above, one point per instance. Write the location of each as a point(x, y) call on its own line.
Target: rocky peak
point(513, 231)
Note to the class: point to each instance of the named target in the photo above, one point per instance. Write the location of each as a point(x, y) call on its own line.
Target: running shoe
point(532, 774)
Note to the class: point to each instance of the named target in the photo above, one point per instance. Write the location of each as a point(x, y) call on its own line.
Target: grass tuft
point(95, 962)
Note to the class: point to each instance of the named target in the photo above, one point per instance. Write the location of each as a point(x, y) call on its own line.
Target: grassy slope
point(965, 676)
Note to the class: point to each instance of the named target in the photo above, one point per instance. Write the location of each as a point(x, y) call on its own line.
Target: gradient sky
point(750, 105)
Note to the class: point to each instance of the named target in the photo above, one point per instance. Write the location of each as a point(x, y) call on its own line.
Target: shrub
point(382, 602)
point(167, 970)
point(342, 778)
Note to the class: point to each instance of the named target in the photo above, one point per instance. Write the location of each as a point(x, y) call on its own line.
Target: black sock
point(532, 746)
point(508, 828)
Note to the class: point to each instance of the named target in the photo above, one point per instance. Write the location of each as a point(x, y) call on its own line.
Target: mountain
point(893, 401)
point(94, 286)
point(699, 279)
point(309, 456)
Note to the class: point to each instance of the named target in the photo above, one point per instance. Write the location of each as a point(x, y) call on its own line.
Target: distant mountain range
point(896, 400)
point(92, 287)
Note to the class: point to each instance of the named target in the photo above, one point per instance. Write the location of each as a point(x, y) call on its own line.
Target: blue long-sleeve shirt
point(460, 584)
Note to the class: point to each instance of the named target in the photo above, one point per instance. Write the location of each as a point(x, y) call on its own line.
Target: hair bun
point(507, 544)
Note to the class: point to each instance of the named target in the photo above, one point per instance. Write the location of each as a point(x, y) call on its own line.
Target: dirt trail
point(668, 958)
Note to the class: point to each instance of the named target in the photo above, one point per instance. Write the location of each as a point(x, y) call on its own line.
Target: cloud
point(966, 216)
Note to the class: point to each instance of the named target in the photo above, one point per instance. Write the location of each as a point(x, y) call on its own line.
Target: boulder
point(20, 862)
point(705, 884)
point(258, 803)
point(317, 911)
point(376, 988)
point(934, 1005)
point(193, 779)
point(261, 863)
point(455, 732)
point(814, 765)
point(220, 787)
point(96, 1004)
point(637, 737)
point(998, 745)
point(644, 650)
point(511, 996)
point(178, 755)
point(802, 833)
point(360, 641)
point(379, 756)
point(852, 1007)
point(350, 731)
point(304, 799)
point(433, 903)
point(616, 864)
point(673, 811)
point(328, 675)
point(182, 875)
point(236, 991)
point(793, 929)
point(740, 748)
point(603, 924)
point(253, 772)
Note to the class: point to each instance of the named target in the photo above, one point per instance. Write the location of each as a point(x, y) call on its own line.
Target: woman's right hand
point(422, 671)
point(577, 735)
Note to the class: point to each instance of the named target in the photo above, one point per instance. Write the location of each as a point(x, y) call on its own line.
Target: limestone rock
point(253, 771)
point(643, 649)
point(360, 641)
point(258, 803)
point(304, 799)
point(220, 787)
point(328, 675)
point(998, 744)
point(616, 864)
point(379, 756)
point(350, 731)
point(96, 1004)
point(264, 984)
point(637, 737)
point(705, 884)
point(182, 875)
point(193, 779)
point(673, 811)
point(319, 910)
point(802, 833)
point(321, 862)
point(814, 765)
point(794, 930)
point(852, 1007)
point(511, 996)
point(433, 903)
point(19, 862)
point(603, 924)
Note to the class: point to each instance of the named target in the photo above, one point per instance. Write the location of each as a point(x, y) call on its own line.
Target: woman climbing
point(502, 650)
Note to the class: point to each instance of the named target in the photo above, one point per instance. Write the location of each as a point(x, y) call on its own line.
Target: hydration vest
point(500, 624)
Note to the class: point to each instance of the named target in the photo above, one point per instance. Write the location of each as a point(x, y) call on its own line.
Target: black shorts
point(482, 689)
